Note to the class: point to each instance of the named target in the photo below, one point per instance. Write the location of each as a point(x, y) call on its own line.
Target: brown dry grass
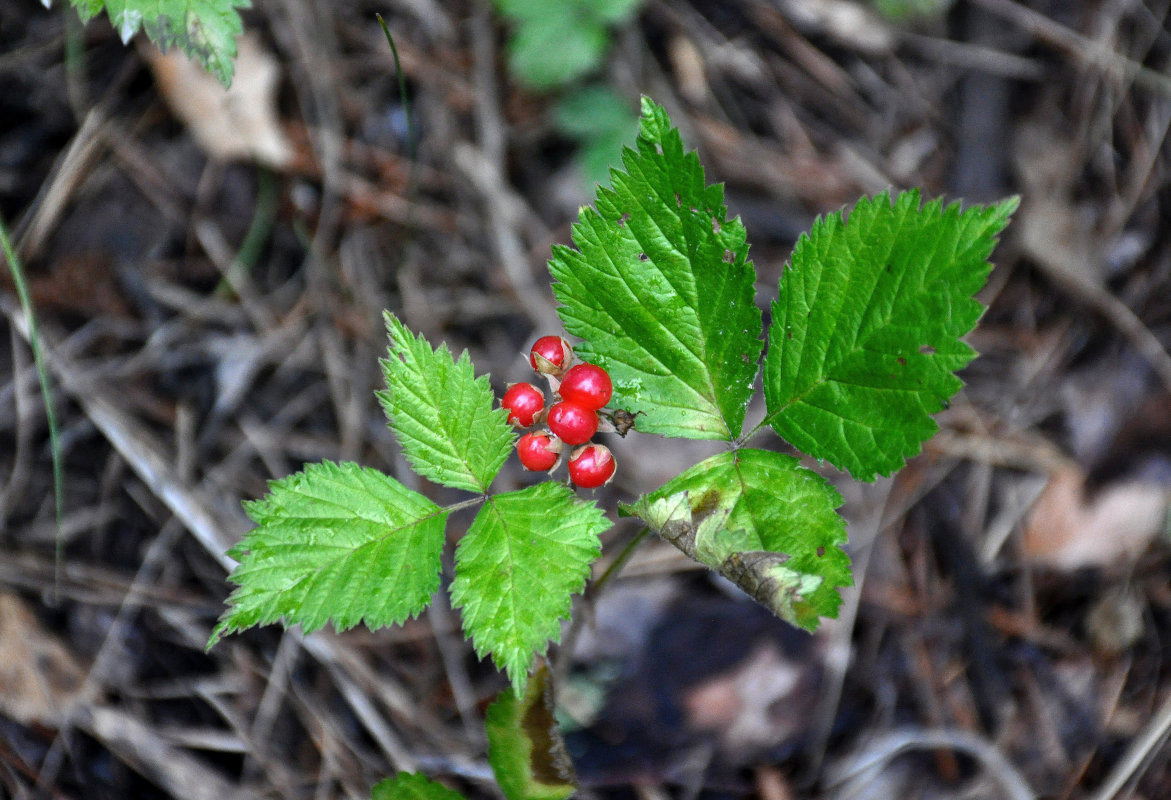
point(1010, 633)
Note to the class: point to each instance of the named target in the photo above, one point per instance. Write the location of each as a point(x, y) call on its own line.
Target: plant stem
point(561, 660)
point(34, 341)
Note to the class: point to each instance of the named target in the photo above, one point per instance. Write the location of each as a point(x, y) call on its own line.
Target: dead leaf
point(229, 124)
point(751, 706)
point(40, 680)
point(1067, 531)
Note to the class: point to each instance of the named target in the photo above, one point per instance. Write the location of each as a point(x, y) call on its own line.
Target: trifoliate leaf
point(864, 341)
point(412, 786)
point(335, 543)
point(523, 558)
point(205, 30)
point(762, 521)
point(525, 747)
point(442, 414)
point(661, 290)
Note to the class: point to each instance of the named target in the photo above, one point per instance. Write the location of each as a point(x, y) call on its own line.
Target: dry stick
point(70, 171)
point(451, 652)
point(190, 505)
point(1080, 48)
point(837, 659)
point(147, 573)
point(1114, 310)
point(876, 757)
point(171, 768)
point(1131, 763)
point(485, 168)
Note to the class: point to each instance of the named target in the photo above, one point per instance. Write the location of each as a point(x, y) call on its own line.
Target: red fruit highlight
point(550, 355)
point(571, 423)
point(592, 466)
point(588, 385)
point(523, 401)
point(538, 451)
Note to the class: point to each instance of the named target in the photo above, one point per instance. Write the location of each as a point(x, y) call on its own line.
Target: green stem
point(561, 659)
point(34, 340)
point(259, 230)
point(618, 563)
point(402, 91)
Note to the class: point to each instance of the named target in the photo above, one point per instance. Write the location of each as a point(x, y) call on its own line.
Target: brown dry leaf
point(742, 705)
point(40, 681)
point(1065, 531)
point(229, 124)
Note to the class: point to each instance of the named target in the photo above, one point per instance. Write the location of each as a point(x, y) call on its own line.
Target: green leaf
point(412, 786)
point(661, 289)
point(762, 521)
point(553, 43)
point(525, 747)
point(335, 542)
point(599, 119)
point(864, 341)
point(614, 11)
point(523, 558)
point(205, 30)
point(544, 57)
point(442, 414)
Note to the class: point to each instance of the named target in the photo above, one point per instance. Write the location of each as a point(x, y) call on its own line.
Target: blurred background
point(209, 272)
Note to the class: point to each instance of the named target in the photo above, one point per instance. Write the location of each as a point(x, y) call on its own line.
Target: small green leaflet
point(442, 414)
point(661, 289)
point(762, 521)
point(335, 542)
point(542, 55)
point(516, 570)
point(525, 747)
point(865, 337)
point(205, 30)
point(599, 119)
point(412, 786)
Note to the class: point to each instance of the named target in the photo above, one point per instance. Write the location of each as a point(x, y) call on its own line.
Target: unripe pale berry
point(572, 424)
point(550, 355)
point(523, 401)
point(588, 385)
point(591, 466)
point(538, 451)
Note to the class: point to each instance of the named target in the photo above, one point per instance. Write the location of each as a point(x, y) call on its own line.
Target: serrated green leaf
point(865, 337)
point(442, 414)
point(661, 289)
point(335, 543)
point(412, 786)
point(525, 747)
point(516, 570)
point(205, 30)
point(762, 521)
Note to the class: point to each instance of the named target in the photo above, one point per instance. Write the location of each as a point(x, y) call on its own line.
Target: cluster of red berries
point(583, 390)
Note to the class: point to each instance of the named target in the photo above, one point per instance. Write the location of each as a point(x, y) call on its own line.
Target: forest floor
point(209, 286)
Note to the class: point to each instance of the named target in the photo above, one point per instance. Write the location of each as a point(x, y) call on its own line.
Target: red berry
point(523, 401)
point(587, 385)
point(538, 451)
point(550, 355)
point(572, 423)
point(591, 466)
